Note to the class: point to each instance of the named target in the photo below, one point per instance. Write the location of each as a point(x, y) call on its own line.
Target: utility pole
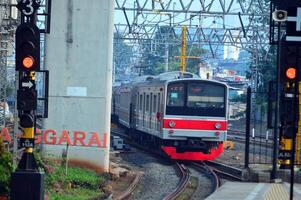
point(183, 57)
point(166, 57)
point(183, 49)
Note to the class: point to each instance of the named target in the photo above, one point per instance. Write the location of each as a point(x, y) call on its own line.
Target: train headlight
point(171, 124)
point(217, 125)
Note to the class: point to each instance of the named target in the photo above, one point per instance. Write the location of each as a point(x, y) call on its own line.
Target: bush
point(6, 168)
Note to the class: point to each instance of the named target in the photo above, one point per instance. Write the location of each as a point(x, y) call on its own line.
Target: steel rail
point(182, 170)
point(210, 173)
point(130, 189)
point(184, 173)
point(226, 170)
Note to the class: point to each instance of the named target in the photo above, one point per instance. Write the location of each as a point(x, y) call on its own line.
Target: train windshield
point(196, 99)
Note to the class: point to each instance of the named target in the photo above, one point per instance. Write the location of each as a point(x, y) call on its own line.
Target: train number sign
point(28, 7)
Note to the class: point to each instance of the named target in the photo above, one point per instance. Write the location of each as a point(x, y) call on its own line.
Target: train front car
point(195, 119)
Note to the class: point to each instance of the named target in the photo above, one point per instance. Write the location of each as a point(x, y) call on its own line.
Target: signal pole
point(27, 181)
point(289, 12)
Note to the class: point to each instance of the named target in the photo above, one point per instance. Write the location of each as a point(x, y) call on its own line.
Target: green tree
point(153, 62)
point(122, 56)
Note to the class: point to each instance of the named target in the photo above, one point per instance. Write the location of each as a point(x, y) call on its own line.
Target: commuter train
point(183, 116)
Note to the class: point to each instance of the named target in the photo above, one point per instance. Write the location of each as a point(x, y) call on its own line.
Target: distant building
point(205, 70)
point(231, 52)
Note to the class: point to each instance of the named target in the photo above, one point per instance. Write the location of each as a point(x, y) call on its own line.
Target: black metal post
point(295, 119)
point(276, 126)
point(248, 123)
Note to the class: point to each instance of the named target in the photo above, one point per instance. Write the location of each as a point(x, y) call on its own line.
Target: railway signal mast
point(288, 15)
point(27, 180)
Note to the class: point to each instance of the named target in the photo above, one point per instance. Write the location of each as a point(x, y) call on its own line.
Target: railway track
point(184, 174)
point(210, 173)
point(212, 170)
point(226, 171)
point(180, 168)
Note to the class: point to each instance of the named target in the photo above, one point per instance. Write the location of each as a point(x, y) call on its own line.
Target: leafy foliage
point(6, 168)
point(122, 56)
point(154, 53)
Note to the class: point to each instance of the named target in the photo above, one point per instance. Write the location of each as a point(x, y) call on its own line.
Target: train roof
point(166, 77)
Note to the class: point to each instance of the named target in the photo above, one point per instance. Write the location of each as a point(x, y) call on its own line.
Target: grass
point(190, 189)
point(76, 194)
point(78, 184)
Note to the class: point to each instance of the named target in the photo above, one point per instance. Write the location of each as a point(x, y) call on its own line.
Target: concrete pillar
point(78, 55)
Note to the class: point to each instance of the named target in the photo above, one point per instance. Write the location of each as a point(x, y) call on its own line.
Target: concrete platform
point(255, 191)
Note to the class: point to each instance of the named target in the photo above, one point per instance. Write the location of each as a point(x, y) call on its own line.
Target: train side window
point(147, 103)
point(154, 103)
point(140, 102)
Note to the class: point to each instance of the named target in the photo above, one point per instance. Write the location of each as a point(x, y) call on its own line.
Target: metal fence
point(258, 127)
point(250, 115)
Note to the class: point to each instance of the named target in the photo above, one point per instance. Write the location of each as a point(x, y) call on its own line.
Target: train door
point(154, 111)
point(143, 111)
point(132, 111)
point(140, 110)
point(135, 110)
point(159, 114)
point(147, 112)
point(150, 111)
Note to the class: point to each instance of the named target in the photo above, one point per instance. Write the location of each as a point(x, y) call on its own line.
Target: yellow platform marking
point(277, 192)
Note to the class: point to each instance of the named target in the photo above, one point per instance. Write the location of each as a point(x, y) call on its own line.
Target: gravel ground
point(159, 176)
point(204, 187)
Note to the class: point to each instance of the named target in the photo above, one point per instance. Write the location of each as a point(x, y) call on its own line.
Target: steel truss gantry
point(239, 23)
point(5, 34)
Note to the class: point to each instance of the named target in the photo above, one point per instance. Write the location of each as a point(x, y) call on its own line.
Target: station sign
point(293, 24)
point(285, 154)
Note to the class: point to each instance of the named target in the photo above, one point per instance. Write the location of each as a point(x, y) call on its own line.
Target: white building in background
point(231, 52)
point(205, 71)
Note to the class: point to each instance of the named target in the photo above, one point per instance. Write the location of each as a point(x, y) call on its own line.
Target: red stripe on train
point(214, 153)
point(194, 124)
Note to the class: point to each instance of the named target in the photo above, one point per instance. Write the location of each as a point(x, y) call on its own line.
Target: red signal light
point(28, 62)
point(291, 73)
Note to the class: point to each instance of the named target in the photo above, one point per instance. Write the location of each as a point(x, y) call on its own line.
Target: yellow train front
point(180, 114)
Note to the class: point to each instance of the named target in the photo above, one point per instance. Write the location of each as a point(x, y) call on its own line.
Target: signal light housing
point(27, 99)
point(27, 47)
